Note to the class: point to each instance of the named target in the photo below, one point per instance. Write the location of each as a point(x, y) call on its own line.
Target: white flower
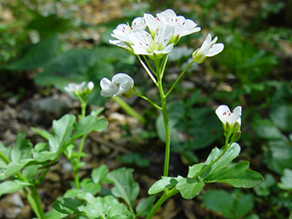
point(228, 118)
point(182, 26)
point(79, 89)
point(144, 44)
point(209, 48)
point(121, 33)
point(121, 84)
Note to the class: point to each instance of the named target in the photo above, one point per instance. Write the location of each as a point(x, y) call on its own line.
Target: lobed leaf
point(189, 187)
point(7, 187)
point(99, 174)
point(89, 124)
point(224, 158)
point(237, 176)
point(62, 130)
point(162, 184)
point(144, 206)
point(125, 186)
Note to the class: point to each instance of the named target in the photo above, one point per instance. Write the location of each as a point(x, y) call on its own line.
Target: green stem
point(147, 70)
point(4, 158)
point(83, 110)
point(177, 80)
point(167, 194)
point(166, 124)
point(163, 66)
point(128, 109)
point(32, 202)
point(37, 202)
point(150, 101)
point(75, 170)
point(149, 66)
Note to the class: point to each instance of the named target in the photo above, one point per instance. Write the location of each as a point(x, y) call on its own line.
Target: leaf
point(7, 187)
point(53, 214)
point(144, 206)
point(22, 148)
point(88, 186)
point(41, 153)
point(189, 187)
point(89, 124)
point(232, 206)
point(193, 170)
point(124, 185)
point(67, 205)
point(281, 116)
point(5, 150)
point(45, 134)
point(279, 155)
point(15, 167)
point(35, 57)
point(286, 180)
point(31, 171)
point(266, 129)
point(99, 174)
point(225, 158)
point(50, 24)
point(102, 206)
point(237, 176)
point(95, 113)
point(162, 184)
point(76, 65)
point(135, 159)
point(224, 206)
point(62, 130)
point(264, 188)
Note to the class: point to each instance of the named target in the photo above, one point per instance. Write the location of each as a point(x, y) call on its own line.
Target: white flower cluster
point(79, 89)
point(153, 36)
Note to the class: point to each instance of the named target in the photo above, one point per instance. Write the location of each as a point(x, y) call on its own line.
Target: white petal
point(223, 113)
point(152, 23)
point(207, 42)
point(108, 90)
point(215, 49)
point(104, 82)
point(138, 24)
point(90, 85)
point(120, 78)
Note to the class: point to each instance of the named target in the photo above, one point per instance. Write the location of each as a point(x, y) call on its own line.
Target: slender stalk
point(83, 110)
point(167, 194)
point(76, 177)
point(163, 66)
point(165, 119)
point(149, 66)
point(4, 158)
point(147, 70)
point(150, 101)
point(128, 109)
point(37, 202)
point(177, 80)
point(32, 202)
